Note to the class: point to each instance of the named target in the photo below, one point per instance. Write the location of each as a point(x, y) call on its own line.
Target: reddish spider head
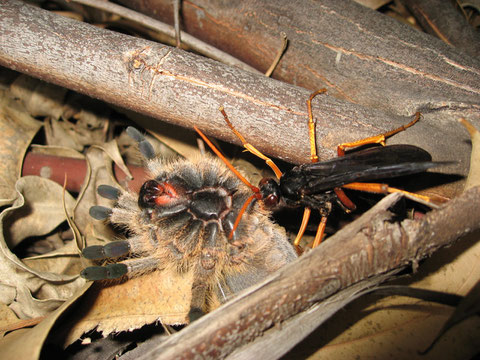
point(156, 193)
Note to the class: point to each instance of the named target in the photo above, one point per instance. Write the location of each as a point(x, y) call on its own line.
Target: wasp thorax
point(210, 203)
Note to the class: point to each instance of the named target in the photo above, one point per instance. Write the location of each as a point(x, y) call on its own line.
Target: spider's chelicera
point(181, 219)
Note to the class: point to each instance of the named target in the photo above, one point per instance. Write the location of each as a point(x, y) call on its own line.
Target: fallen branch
point(368, 249)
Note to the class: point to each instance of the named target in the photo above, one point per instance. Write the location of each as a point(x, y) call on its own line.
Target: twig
point(279, 54)
point(176, 18)
point(443, 20)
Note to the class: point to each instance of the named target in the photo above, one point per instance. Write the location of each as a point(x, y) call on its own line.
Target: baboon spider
point(182, 219)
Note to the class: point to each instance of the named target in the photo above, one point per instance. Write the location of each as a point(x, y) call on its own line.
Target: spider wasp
point(319, 185)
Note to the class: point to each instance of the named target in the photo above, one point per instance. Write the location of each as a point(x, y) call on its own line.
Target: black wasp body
point(312, 185)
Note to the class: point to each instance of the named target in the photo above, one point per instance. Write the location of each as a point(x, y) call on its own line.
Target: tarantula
point(182, 220)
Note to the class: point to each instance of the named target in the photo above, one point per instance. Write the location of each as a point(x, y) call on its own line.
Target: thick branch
point(357, 53)
point(186, 89)
point(365, 249)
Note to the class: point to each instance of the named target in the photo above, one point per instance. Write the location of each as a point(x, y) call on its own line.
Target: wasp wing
point(364, 165)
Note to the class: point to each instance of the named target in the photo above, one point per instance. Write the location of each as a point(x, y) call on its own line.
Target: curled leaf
point(473, 178)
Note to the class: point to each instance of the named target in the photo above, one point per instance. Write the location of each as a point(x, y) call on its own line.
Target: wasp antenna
point(241, 212)
point(224, 159)
point(144, 146)
point(249, 147)
point(109, 192)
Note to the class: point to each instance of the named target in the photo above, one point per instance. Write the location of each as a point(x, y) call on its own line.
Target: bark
point(185, 89)
point(443, 20)
point(356, 53)
point(369, 248)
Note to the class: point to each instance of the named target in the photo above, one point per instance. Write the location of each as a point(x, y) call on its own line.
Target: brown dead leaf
point(163, 296)
point(83, 123)
point(17, 129)
point(40, 210)
point(473, 178)
point(36, 211)
point(111, 150)
point(468, 307)
point(64, 260)
point(28, 343)
point(372, 4)
point(7, 317)
point(40, 98)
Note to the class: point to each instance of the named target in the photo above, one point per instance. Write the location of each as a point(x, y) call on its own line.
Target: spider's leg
point(145, 147)
point(130, 268)
point(205, 270)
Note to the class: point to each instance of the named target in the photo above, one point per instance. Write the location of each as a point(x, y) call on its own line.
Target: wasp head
point(270, 191)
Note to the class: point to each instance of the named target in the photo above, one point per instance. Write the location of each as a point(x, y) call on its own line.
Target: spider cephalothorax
point(181, 220)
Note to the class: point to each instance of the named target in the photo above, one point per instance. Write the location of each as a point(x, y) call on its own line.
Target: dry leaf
point(83, 124)
point(28, 343)
point(111, 150)
point(473, 178)
point(17, 129)
point(468, 307)
point(7, 317)
point(163, 296)
point(40, 98)
point(40, 210)
point(37, 210)
point(373, 4)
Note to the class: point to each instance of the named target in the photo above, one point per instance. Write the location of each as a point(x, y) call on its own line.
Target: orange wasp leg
point(369, 187)
point(256, 191)
point(313, 159)
point(378, 139)
point(249, 147)
point(382, 189)
point(301, 231)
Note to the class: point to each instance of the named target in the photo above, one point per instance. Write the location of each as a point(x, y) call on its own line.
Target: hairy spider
point(181, 220)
